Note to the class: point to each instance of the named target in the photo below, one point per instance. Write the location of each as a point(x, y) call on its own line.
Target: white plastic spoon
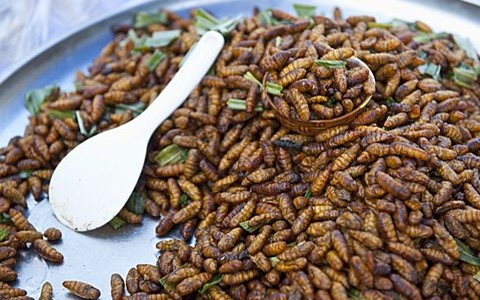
point(94, 181)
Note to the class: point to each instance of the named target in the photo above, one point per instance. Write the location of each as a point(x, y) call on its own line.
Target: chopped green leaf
point(293, 244)
point(430, 70)
point(466, 45)
point(390, 101)
point(477, 276)
point(183, 200)
point(158, 39)
point(466, 254)
point(265, 17)
point(304, 11)
point(155, 59)
point(25, 174)
point(278, 41)
point(329, 63)
point(136, 203)
point(92, 131)
point(214, 281)
point(379, 25)
point(247, 228)
point(187, 55)
point(81, 126)
point(398, 22)
point(239, 104)
point(35, 98)
point(274, 261)
point(273, 89)
point(4, 218)
point(3, 234)
point(331, 102)
point(172, 154)
point(166, 285)
point(116, 223)
point(61, 114)
point(355, 294)
point(205, 22)
point(143, 19)
point(425, 37)
point(137, 108)
point(464, 76)
point(422, 54)
point(252, 78)
point(308, 194)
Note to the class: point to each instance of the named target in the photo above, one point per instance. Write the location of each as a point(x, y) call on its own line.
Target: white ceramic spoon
point(94, 181)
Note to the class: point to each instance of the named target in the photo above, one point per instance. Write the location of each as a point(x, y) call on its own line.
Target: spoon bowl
point(94, 181)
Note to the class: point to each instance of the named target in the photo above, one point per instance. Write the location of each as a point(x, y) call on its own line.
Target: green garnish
point(183, 200)
point(265, 17)
point(187, 55)
point(355, 294)
point(330, 63)
point(25, 174)
point(247, 228)
point(137, 108)
point(477, 276)
point(3, 234)
point(172, 154)
point(205, 22)
point(390, 101)
point(379, 25)
point(464, 76)
point(466, 254)
point(466, 45)
point(273, 89)
point(136, 203)
point(116, 223)
point(81, 126)
point(308, 194)
point(4, 218)
point(252, 78)
point(278, 41)
point(214, 281)
point(155, 59)
point(430, 70)
point(274, 261)
point(61, 114)
point(304, 11)
point(35, 98)
point(331, 102)
point(398, 22)
point(239, 104)
point(143, 19)
point(166, 285)
point(158, 39)
point(425, 37)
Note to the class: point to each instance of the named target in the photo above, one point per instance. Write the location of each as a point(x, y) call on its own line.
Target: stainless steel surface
point(94, 256)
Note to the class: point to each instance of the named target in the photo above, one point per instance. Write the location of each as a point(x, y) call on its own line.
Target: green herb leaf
point(35, 98)
point(331, 102)
point(136, 203)
point(61, 114)
point(3, 234)
point(273, 89)
point(390, 101)
point(205, 22)
point(214, 281)
point(172, 154)
point(355, 294)
point(464, 76)
point(4, 218)
point(158, 39)
point(466, 45)
point(143, 19)
point(252, 78)
point(92, 131)
point(330, 63)
point(425, 37)
point(308, 194)
point(304, 11)
point(183, 200)
point(379, 25)
point(239, 104)
point(278, 41)
point(247, 228)
point(430, 70)
point(410, 25)
point(116, 223)
point(188, 55)
point(477, 276)
point(466, 254)
point(81, 126)
point(25, 174)
point(166, 285)
point(274, 261)
point(155, 59)
point(265, 17)
point(137, 108)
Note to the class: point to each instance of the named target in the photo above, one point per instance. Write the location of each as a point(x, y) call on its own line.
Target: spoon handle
point(187, 78)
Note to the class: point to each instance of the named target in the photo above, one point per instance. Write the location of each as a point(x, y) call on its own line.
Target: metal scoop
point(94, 181)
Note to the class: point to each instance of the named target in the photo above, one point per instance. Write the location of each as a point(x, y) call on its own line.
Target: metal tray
point(94, 256)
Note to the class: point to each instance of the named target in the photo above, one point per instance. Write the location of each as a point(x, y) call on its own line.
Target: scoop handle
point(182, 84)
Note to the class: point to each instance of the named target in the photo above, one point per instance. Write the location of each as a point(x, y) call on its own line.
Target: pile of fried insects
point(385, 207)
